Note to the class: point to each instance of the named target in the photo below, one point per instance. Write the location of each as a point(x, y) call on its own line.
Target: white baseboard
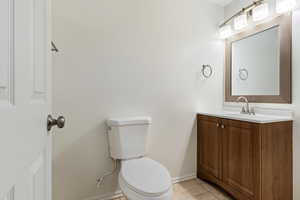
point(118, 193)
point(183, 178)
point(108, 196)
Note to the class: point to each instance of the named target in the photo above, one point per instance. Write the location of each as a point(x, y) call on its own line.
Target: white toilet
point(140, 178)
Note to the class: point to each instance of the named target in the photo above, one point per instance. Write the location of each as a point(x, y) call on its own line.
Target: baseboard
point(183, 178)
point(118, 193)
point(108, 196)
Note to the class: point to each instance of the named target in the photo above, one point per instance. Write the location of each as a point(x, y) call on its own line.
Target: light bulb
point(283, 6)
point(260, 12)
point(225, 31)
point(240, 21)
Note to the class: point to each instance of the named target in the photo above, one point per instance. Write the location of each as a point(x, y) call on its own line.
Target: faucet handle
point(243, 111)
point(252, 111)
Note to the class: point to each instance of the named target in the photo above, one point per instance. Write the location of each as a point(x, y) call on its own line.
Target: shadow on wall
point(88, 149)
point(190, 155)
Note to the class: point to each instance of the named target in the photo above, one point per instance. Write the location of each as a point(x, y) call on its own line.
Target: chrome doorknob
point(59, 122)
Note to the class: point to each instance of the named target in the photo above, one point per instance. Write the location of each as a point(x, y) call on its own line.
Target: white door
point(25, 100)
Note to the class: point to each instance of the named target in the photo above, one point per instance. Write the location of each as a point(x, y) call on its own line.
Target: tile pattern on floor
point(196, 190)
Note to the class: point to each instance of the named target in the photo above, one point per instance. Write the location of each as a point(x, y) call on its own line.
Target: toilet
point(140, 177)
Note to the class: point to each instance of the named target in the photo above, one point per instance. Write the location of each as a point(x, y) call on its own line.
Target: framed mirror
point(258, 63)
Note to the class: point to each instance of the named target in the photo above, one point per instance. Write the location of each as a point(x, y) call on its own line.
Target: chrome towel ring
point(207, 71)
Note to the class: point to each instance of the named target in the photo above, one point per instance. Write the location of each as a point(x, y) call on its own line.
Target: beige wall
point(125, 58)
point(231, 9)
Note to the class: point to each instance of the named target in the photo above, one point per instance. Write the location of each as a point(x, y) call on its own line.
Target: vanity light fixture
point(283, 6)
point(225, 31)
point(260, 12)
point(240, 21)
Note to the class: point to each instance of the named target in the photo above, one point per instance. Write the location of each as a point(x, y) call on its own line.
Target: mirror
point(254, 59)
point(258, 63)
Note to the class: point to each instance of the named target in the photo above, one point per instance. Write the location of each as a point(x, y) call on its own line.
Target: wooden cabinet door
point(209, 146)
point(241, 161)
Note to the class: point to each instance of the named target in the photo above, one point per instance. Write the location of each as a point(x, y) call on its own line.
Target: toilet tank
point(128, 136)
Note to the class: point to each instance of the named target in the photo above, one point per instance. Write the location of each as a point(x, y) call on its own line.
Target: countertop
point(257, 118)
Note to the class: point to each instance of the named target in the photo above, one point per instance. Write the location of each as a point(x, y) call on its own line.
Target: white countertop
point(257, 118)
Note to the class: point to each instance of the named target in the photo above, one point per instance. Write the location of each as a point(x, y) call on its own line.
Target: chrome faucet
point(245, 110)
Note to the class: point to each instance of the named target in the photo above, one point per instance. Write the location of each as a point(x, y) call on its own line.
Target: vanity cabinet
point(251, 161)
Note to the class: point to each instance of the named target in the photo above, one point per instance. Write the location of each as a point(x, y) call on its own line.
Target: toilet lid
point(146, 176)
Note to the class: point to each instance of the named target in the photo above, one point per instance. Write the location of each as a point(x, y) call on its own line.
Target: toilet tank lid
point(129, 121)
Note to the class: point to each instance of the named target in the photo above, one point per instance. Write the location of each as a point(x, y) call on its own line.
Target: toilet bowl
point(145, 179)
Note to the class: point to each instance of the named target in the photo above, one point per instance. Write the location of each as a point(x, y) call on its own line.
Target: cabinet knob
point(222, 126)
point(218, 125)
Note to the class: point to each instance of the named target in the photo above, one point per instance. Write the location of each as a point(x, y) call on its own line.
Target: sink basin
point(258, 118)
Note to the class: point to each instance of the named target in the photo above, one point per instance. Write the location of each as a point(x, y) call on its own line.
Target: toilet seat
point(146, 177)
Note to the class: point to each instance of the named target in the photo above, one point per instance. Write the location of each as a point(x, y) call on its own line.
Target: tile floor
point(196, 190)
